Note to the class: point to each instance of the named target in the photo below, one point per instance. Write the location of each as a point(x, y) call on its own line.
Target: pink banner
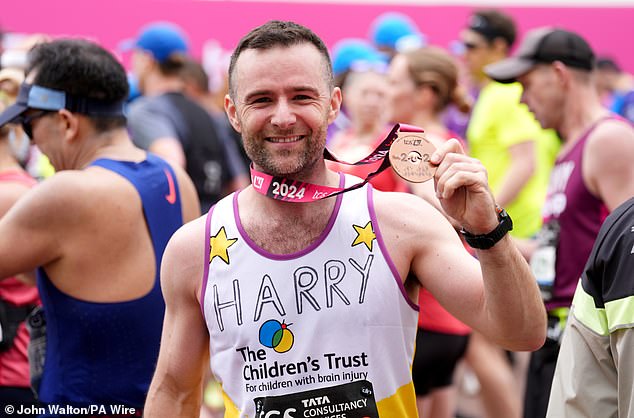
point(609, 30)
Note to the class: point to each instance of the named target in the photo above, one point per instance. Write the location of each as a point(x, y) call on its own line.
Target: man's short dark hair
point(173, 65)
point(194, 72)
point(493, 24)
point(81, 68)
point(279, 33)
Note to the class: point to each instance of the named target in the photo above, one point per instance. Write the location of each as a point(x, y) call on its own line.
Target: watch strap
point(486, 241)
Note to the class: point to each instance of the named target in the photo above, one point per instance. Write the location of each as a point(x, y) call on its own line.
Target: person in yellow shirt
point(516, 151)
point(502, 133)
point(518, 155)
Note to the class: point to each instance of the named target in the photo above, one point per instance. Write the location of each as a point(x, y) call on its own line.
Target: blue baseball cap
point(349, 51)
point(162, 39)
point(32, 96)
point(388, 28)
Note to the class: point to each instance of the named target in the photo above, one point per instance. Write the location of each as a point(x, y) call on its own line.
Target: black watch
point(486, 241)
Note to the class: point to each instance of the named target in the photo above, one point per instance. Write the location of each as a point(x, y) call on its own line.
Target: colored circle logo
point(276, 336)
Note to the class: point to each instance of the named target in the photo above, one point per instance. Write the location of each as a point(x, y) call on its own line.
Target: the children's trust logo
point(276, 336)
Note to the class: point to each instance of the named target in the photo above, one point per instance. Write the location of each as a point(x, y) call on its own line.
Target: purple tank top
point(577, 214)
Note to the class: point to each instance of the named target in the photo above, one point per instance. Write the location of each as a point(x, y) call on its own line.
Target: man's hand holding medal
point(461, 181)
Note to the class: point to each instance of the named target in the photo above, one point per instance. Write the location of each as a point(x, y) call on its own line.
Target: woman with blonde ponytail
point(424, 84)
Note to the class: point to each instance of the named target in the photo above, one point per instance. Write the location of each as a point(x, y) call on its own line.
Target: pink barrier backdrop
point(609, 30)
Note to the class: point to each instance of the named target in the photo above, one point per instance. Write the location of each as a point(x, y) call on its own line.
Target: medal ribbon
point(288, 190)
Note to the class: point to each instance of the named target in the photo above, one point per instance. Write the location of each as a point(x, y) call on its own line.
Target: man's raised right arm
point(176, 389)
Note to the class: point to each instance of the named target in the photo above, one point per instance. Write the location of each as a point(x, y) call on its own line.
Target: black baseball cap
point(543, 45)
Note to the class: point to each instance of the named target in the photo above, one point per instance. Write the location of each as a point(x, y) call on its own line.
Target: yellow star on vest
point(365, 235)
point(219, 244)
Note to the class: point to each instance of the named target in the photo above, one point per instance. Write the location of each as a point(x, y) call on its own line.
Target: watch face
point(409, 156)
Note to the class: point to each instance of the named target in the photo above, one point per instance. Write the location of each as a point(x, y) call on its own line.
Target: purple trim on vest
point(386, 254)
point(311, 247)
point(206, 257)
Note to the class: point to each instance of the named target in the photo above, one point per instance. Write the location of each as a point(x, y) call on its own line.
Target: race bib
point(544, 259)
point(350, 400)
point(543, 264)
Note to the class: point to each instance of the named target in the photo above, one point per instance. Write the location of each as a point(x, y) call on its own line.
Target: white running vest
point(325, 332)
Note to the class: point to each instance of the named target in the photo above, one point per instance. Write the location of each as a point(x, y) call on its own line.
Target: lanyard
point(408, 151)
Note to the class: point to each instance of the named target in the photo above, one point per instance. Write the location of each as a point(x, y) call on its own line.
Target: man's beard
point(287, 163)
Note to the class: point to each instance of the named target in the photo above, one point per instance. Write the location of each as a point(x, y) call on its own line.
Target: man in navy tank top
point(95, 232)
point(593, 175)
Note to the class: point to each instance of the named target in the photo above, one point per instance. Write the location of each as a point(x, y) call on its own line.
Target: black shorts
point(435, 359)
point(540, 374)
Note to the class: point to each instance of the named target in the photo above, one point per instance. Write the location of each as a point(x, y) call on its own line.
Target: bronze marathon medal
point(409, 156)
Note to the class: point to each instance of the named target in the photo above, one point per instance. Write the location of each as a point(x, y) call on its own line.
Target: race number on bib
point(351, 400)
point(544, 259)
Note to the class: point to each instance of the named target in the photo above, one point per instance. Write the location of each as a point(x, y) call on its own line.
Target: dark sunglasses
point(470, 46)
point(27, 121)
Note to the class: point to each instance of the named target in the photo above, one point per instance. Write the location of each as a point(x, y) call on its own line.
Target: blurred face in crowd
point(544, 94)
point(478, 52)
point(9, 88)
point(282, 107)
point(606, 80)
point(403, 90)
point(366, 96)
point(141, 62)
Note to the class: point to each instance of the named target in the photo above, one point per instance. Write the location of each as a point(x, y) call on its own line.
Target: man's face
point(41, 128)
point(34, 121)
point(544, 95)
point(478, 53)
point(45, 131)
point(403, 90)
point(282, 107)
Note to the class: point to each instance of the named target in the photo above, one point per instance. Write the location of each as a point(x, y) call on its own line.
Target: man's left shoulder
point(611, 141)
point(395, 200)
point(614, 129)
point(57, 199)
point(404, 210)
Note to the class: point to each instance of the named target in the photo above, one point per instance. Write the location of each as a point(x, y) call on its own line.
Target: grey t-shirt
point(212, 156)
